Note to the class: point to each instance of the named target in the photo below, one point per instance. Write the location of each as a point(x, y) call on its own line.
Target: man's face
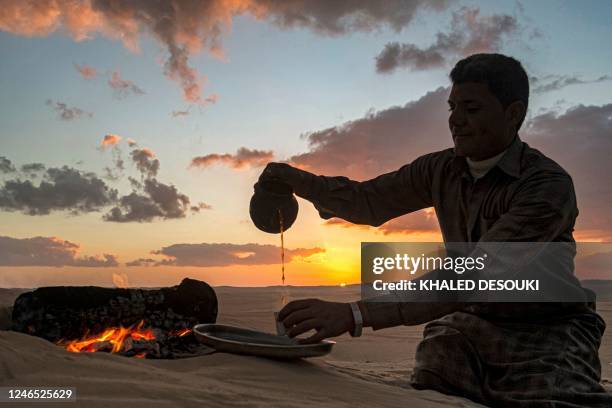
point(477, 121)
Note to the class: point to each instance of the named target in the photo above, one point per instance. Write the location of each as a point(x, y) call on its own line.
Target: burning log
point(140, 342)
point(57, 313)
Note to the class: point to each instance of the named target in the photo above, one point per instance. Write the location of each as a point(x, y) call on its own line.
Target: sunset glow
point(128, 152)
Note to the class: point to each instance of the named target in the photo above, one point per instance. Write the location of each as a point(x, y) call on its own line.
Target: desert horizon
point(373, 369)
point(249, 164)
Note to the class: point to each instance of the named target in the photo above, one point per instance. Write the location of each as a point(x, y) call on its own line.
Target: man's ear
point(515, 113)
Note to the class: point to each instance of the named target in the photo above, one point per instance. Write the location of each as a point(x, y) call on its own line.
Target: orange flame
point(114, 337)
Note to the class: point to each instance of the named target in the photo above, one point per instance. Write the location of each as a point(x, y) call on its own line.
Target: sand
point(369, 371)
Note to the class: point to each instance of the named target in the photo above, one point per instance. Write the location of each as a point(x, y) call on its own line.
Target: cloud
point(86, 72)
point(212, 98)
point(69, 189)
point(345, 16)
point(149, 199)
point(213, 254)
point(469, 33)
point(141, 262)
point(159, 201)
point(145, 162)
point(122, 87)
point(62, 189)
point(594, 266)
point(176, 114)
point(66, 113)
point(550, 83)
point(579, 140)
point(110, 140)
point(419, 222)
point(6, 166)
point(381, 141)
point(48, 251)
point(136, 184)
point(201, 206)
point(172, 203)
point(243, 157)
point(186, 27)
point(423, 221)
point(32, 169)
point(134, 207)
point(113, 173)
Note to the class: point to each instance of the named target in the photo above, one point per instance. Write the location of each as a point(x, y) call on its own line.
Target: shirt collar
point(510, 163)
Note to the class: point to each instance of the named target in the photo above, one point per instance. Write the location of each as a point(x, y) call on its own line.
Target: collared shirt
point(525, 197)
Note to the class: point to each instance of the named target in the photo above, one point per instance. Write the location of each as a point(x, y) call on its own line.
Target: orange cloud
point(145, 161)
point(147, 152)
point(123, 87)
point(110, 140)
point(223, 254)
point(333, 222)
point(381, 141)
point(186, 27)
point(419, 222)
point(86, 72)
point(243, 157)
point(593, 235)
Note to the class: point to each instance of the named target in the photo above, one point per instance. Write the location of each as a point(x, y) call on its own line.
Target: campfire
point(134, 341)
point(142, 323)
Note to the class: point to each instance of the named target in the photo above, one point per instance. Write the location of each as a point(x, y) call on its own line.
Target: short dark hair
point(504, 75)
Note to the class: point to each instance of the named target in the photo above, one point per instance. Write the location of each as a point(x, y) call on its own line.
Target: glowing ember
point(115, 340)
point(180, 333)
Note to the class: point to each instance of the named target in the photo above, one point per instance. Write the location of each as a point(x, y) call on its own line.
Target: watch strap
point(358, 319)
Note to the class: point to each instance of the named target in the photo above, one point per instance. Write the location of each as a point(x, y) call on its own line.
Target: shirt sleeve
point(376, 201)
point(542, 209)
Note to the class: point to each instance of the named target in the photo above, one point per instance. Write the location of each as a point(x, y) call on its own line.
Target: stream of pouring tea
point(284, 294)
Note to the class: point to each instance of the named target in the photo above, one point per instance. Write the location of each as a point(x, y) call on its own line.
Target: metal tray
point(237, 340)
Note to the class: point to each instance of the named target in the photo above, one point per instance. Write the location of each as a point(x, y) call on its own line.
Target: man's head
point(488, 103)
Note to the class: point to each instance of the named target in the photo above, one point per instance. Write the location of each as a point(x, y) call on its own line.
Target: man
point(491, 187)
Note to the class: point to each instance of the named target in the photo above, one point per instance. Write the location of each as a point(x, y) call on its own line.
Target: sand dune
point(369, 371)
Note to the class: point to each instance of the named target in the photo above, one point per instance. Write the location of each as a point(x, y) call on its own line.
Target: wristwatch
point(358, 319)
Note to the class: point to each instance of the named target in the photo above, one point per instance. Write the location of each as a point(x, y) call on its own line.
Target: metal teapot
point(271, 203)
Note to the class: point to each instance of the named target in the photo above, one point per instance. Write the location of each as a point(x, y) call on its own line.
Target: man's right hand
point(277, 172)
point(285, 173)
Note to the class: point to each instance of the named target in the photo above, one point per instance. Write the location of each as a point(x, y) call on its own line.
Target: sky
point(131, 133)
